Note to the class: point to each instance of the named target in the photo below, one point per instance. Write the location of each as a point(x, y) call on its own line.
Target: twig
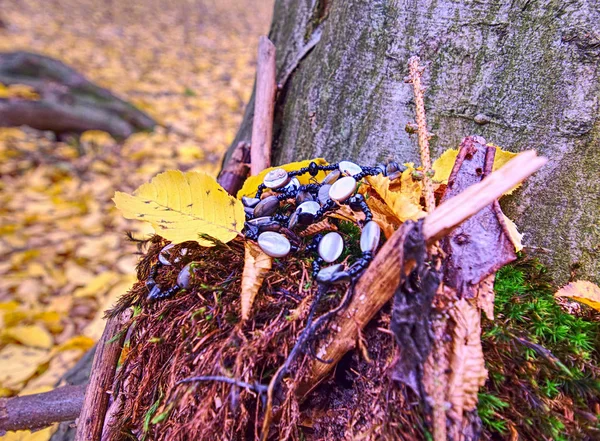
point(308, 332)
point(415, 78)
point(256, 387)
point(91, 420)
point(378, 284)
point(41, 410)
point(264, 106)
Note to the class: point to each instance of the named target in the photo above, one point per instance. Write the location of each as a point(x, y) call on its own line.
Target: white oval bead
point(331, 177)
point(164, 254)
point(369, 238)
point(331, 247)
point(349, 168)
point(323, 194)
point(293, 184)
point(276, 178)
point(342, 189)
point(274, 244)
point(184, 276)
point(308, 207)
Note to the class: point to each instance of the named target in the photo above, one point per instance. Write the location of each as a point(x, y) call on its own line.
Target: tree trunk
point(523, 74)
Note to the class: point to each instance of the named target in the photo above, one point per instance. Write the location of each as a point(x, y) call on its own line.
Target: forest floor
point(189, 64)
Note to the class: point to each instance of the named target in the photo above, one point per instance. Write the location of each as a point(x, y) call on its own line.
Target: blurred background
point(189, 65)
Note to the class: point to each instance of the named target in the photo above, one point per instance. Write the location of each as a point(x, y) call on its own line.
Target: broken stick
point(264, 107)
point(36, 411)
point(378, 283)
point(91, 419)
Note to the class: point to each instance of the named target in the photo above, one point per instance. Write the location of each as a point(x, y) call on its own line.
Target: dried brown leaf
point(582, 291)
point(319, 227)
point(256, 266)
point(485, 296)
point(468, 372)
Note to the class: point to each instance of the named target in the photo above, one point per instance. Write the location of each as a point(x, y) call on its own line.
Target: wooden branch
point(41, 410)
point(234, 172)
point(264, 107)
point(378, 284)
point(91, 420)
point(456, 210)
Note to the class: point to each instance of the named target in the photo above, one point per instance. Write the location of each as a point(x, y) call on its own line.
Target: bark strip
point(36, 411)
point(264, 106)
point(91, 419)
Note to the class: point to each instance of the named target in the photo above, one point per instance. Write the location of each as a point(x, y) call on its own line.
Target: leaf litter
point(59, 231)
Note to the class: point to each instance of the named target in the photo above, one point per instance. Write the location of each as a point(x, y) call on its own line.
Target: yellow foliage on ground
point(190, 65)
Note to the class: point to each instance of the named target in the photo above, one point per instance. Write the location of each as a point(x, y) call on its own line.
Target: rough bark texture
point(68, 102)
point(523, 74)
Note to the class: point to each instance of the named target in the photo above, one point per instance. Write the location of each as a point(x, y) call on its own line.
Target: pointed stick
point(264, 107)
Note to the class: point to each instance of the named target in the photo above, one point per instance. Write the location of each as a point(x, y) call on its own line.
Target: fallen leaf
point(99, 285)
point(30, 335)
point(26, 435)
point(184, 206)
point(515, 237)
point(256, 266)
point(251, 184)
point(443, 165)
point(467, 365)
point(401, 203)
point(583, 291)
point(19, 363)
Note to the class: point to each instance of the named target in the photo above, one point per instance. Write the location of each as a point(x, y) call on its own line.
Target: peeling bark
point(521, 74)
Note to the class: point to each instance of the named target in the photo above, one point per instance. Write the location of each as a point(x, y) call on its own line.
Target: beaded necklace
point(269, 224)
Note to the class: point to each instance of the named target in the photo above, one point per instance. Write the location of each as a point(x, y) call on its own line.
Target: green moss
point(542, 361)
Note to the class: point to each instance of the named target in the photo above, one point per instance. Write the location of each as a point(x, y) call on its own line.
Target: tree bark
point(524, 75)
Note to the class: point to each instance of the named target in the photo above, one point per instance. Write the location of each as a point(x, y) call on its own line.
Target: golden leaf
point(185, 206)
point(583, 291)
point(256, 266)
point(26, 435)
point(19, 363)
point(444, 164)
point(98, 285)
point(18, 91)
point(384, 216)
point(30, 335)
point(515, 237)
point(97, 137)
point(402, 203)
point(468, 372)
point(486, 295)
point(251, 185)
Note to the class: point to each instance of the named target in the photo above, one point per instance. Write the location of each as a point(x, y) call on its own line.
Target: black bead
point(313, 169)
point(356, 202)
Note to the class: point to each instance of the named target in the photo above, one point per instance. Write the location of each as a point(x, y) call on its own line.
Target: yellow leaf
point(256, 266)
point(97, 137)
point(99, 285)
point(442, 166)
point(185, 206)
point(30, 335)
point(26, 435)
point(80, 342)
point(515, 237)
point(401, 203)
point(19, 363)
point(251, 185)
point(584, 292)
